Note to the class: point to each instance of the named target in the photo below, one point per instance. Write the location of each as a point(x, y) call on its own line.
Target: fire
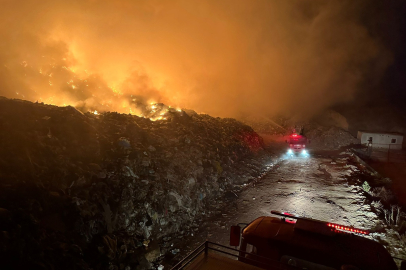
point(167, 51)
point(99, 95)
point(157, 118)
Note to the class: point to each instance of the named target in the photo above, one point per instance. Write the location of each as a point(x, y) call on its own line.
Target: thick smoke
point(225, 57)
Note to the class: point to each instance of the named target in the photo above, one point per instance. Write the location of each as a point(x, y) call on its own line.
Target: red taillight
point(290, 221)
point(349, 229)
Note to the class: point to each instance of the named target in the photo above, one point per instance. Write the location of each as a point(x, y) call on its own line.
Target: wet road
point(315, 187)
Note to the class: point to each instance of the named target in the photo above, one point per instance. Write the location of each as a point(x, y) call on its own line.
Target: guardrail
point(206, 246)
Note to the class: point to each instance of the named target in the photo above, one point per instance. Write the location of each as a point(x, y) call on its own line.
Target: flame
point(157, 118)
point(115, 90)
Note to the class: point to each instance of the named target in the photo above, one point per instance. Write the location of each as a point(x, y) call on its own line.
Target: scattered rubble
point(328, 138)
point(112, 191)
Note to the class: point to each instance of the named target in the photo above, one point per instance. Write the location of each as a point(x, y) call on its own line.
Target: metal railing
point(254, 260)
point(206, 246)
point(385, 152)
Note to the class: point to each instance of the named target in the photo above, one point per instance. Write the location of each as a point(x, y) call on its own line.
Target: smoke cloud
point(226, 58)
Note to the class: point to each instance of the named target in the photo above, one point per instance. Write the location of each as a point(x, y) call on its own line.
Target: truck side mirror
point(235, 232)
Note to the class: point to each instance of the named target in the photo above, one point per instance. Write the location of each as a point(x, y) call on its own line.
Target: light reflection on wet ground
point(315, 187)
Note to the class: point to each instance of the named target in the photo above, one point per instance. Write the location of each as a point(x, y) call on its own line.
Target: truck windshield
point(297, 140)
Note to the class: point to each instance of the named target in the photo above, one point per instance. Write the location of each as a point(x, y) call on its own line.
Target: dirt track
point(317, 187)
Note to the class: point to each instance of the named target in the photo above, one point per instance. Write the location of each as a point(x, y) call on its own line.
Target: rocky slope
point(112, 191)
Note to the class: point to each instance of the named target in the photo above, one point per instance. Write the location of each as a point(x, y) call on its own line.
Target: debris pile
point(328, 138)
point(112, 191)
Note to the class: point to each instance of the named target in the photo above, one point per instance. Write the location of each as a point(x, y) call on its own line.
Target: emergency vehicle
point(292, 242)
point(297, 145)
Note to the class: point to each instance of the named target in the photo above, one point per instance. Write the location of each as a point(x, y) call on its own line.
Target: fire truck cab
point(297, 145)
point(291, 242)
point(301, 243)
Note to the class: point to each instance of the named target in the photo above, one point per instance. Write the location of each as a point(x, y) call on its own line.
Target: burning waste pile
point(112, 191)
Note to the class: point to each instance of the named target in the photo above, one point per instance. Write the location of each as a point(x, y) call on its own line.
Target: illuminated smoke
point(226, 57)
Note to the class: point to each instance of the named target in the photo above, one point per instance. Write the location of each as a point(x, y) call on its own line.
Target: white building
point(381, 139)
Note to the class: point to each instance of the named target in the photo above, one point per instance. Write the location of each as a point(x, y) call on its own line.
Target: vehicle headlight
point(290, 151)
point(304, 152)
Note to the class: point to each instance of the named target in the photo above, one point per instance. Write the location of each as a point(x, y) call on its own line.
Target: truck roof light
point(309, 224)
point(287, 214)
point(348, 229)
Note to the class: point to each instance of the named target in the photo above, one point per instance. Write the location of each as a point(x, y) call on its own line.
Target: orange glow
point(250, 57)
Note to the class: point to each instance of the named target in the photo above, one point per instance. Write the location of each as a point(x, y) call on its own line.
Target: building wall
point(379, 140)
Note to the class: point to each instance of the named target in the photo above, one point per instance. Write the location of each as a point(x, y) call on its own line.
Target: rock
point(146, 243)
point(124, 143)
point(153, 252)
point(109, 247)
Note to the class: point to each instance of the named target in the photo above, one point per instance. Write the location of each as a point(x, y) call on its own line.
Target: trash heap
point(329, 138)
point(111, 191)
point(329, 130)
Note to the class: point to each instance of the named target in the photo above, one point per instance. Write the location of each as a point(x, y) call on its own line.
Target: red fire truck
point(297, 145)
point(292, 242)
